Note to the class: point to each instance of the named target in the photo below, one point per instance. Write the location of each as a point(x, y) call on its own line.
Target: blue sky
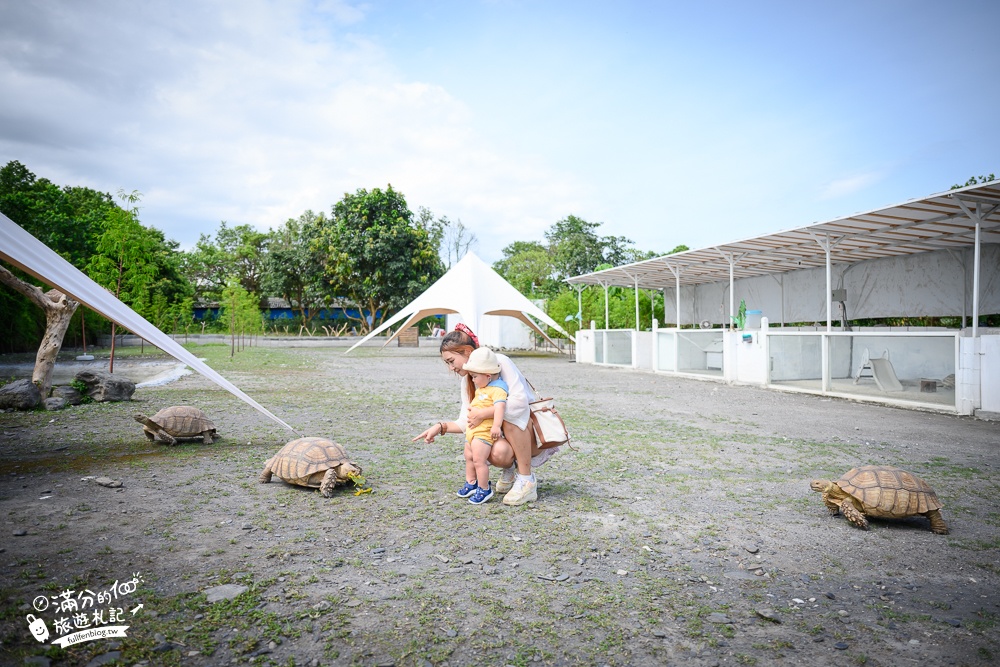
point(668, 122)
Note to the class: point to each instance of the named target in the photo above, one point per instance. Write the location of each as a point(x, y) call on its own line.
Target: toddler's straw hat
point(482, 360)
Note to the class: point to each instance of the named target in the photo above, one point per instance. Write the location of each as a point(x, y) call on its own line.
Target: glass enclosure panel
point(599, 347)
point(700, 351)
point(911, 367)
point(619, 347)
point(796, 360)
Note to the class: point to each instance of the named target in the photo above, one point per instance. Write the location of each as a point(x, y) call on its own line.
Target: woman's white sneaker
point(507, 478)
point(522, 492)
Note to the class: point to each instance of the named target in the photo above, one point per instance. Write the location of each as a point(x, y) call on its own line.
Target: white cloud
point(242, 113)
point(843, 187)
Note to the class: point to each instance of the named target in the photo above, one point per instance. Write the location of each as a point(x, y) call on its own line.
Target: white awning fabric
point(28, 253)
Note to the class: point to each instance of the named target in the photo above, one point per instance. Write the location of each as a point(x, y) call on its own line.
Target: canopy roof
point(471, 289)
point(941, 221)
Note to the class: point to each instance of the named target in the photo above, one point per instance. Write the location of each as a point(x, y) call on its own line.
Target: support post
point(636, 279)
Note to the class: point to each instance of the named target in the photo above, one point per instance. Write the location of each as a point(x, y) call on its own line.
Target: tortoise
point(178, 421)
point(880, 491)
point(313, 462)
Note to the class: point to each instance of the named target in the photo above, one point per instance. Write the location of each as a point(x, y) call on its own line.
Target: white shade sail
point(28, 253)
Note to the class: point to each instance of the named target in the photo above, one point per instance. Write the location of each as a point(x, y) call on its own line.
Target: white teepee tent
point(472, 290)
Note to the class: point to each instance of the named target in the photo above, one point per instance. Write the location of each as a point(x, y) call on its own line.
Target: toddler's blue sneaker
point(468, 489)
point(481, 495)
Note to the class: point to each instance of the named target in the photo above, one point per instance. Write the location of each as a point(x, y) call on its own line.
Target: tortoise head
point(346, 469)
point(821, 485)
point(141, 418)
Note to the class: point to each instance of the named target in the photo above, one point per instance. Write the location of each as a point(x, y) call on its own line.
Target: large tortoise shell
point(183, 421)
point(889, 492)
point(299, 461)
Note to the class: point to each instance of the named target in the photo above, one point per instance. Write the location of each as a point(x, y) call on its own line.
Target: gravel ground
point(682, 530)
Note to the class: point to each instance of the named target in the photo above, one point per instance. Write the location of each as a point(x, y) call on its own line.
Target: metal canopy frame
point(939, 222)
point(956, 219)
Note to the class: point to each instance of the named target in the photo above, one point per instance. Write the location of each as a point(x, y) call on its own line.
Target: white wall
point(501, 333)
point(989, 348)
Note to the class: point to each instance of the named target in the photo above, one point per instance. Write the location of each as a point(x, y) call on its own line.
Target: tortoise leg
point(206, 437)
point(853, 514)
point(329, 482)
point(149, 435)
point(831, 506)
point(937, 522)
point(265, 476)
point(165, 437)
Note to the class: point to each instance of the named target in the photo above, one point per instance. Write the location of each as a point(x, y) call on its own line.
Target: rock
point(108, 482)
point(840, 646)
point(716, 617)
point(20, 395)
point(224, 592)
point(54, 403)
point(37, 661)
point(105, 659)
point(751, 547)
point(103, 386)
point(768, 615)
point(20, 532)
point(68, 394)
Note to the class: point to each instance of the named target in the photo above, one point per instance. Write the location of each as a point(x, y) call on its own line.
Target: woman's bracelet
point(444, 428)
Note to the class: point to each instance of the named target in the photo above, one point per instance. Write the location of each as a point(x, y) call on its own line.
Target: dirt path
point(682, 531)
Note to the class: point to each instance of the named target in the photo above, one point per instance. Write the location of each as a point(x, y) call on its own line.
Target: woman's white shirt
point(518, 396)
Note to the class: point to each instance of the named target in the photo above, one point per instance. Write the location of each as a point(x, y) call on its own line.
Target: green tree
point(575, 246)
point(974, 181)
point(293, 268)
point(377, 256)
point(67, 220)
point(239, 251)
point(122, 262)
point(240, 310)
point(527, 265)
